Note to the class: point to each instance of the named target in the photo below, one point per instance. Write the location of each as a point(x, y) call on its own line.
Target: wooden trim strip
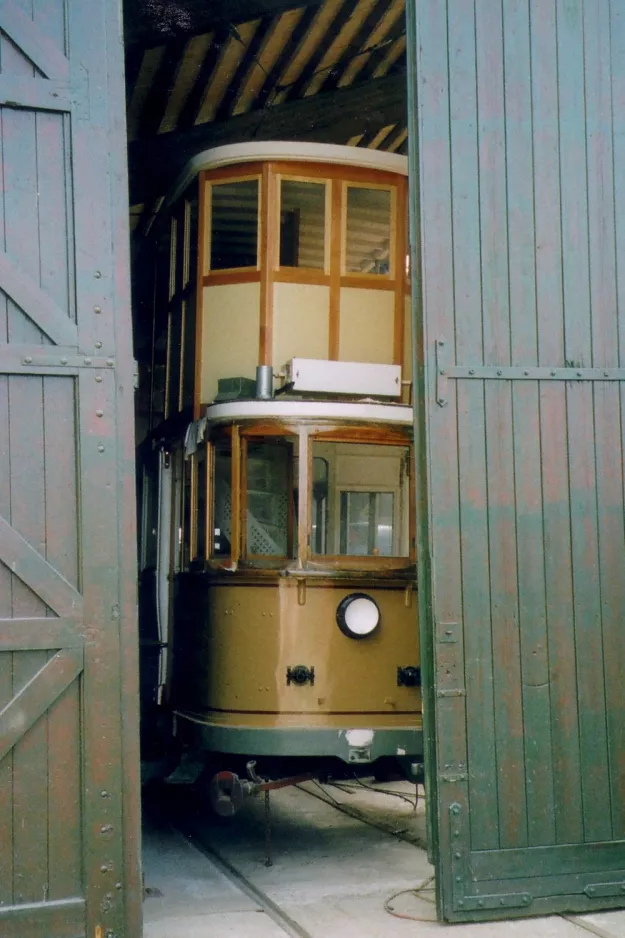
point(35, 45)
point(302, 275)
point(37, 305)
point(304, 485)
point(368, 282)
point(250, 170)
point(268, 245)
point(43, 95)
point(52, 919)
point(336, 240)
point(343, 171)
point(235, 531)
point(226, 278)
point(400, 281)
point(35, 571)
point(199, 296)
point(39, 634)
point(37, 696)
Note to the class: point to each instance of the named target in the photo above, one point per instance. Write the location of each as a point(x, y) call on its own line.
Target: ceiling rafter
point(155, 103)
point(390, 25)
point(248, 63)
point(396, 34)
point(347, 45)
point(287, 55)
point(191, 108)
point(342, 15)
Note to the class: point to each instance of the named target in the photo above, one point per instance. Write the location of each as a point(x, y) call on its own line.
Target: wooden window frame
point(257, 435)
point(392, 438)
point(301, 274)
point(353, 278)
point(216, 178)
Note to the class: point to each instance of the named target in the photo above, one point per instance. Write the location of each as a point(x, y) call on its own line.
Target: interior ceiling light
point(358, 615)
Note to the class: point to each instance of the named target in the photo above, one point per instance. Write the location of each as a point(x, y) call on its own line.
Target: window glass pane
point(270, 506)
point(223, 499)
point(368, 231)
point(360, 499)
point(234, 224)
point(302, 224)
point(319, 505)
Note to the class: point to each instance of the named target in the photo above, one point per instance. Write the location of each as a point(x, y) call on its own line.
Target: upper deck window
point(302, 224)
point(233, 225)
point(368, 230)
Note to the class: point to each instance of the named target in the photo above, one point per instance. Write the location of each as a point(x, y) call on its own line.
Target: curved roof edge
point(288, 150)
point(319, 410)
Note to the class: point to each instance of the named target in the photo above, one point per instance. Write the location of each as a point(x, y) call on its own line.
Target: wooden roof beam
point(329, 117)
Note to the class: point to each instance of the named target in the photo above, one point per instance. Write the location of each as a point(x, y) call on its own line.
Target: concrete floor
point(332, 872)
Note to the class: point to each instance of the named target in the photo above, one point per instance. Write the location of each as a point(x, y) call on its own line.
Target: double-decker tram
point(279, 616)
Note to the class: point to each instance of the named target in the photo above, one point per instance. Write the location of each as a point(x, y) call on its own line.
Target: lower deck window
point(222, 518)
point(366, 526)
point(360, 499)
point(270, 499)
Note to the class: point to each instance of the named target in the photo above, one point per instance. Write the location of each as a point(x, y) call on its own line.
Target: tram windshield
point(270, 509)
point(360, 499)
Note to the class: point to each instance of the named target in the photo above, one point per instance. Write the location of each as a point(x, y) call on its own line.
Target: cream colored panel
point(366, 325)
point(300, 322)
point(230, 334)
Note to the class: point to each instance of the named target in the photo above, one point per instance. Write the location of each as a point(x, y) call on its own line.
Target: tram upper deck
point(270, 252)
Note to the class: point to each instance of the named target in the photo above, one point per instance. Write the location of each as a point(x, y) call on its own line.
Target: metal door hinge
point(452, 692)
point(599, 890)
point(571, 372)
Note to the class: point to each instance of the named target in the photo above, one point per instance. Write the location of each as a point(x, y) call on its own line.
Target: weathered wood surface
point(68, 763)
point(519, 111)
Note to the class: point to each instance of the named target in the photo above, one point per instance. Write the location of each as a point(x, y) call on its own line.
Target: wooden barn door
point(517, 159)
point(68, 734)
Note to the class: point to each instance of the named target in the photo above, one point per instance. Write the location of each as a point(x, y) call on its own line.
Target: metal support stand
point(268, 857)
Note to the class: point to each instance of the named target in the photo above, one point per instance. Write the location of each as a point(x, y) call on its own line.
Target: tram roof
point(285, 151)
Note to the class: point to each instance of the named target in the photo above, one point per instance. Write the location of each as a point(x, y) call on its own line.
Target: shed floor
point(331, 876)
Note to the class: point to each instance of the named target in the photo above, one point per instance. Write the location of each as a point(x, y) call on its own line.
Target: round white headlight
point(357, 615)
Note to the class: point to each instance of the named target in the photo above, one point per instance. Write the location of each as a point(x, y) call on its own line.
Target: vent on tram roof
point(318, 376)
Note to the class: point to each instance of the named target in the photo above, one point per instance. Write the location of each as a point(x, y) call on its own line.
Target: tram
point(279, 620)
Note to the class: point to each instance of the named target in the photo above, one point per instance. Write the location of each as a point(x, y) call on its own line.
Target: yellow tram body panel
point(249, 636)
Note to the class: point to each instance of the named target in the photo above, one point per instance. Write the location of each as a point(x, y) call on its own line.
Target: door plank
point(37, 305)
point(37, 573)
point(52, 919)
point(39, 634)
point(32, 701)
point(35, 44)
point(470, 521)
point(34, 93)
point(526, 422)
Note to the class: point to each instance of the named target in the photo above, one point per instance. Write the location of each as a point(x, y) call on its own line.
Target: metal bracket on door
point(464, 898)
point(445, 372)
